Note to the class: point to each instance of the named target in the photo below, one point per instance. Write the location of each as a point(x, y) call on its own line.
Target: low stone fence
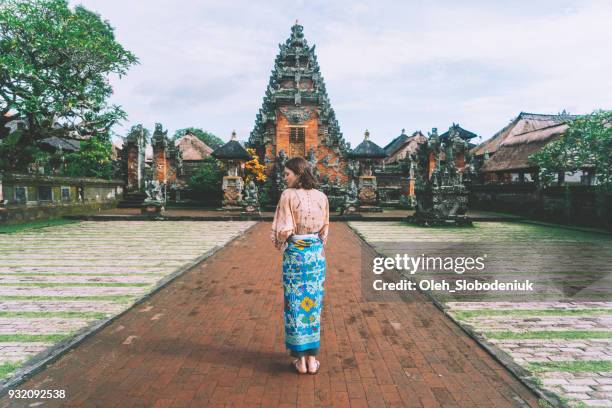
point(571, 204)
point(28, 197)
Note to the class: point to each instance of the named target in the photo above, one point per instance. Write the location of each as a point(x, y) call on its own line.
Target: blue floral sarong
point(303, 278)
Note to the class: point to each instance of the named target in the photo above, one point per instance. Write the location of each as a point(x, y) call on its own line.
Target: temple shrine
point(296, 118)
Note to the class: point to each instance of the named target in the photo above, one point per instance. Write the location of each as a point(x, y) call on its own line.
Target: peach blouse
point(299, 212)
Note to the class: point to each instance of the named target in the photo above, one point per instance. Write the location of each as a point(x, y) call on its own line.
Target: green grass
point(468, 314)
point(112, 298)
point(565, 335)
point(13, 228)
point(69, 315)
point(28, 338)
point(571, 366)
point(55, 284)
point(8, 367)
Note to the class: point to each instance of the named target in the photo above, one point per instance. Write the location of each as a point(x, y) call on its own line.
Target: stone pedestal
point(152, 208)
point(250, 209)
point(232, 192)
point(368, 200)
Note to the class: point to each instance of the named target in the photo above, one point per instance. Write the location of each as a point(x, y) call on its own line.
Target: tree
point(92, 160)
point(587, 143)
point(211, 140)
point(54, 67)
point(206, 181)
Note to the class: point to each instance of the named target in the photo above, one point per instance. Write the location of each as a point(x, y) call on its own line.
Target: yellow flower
point(307, 304)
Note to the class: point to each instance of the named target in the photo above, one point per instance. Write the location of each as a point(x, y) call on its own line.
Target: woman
point(300, 228)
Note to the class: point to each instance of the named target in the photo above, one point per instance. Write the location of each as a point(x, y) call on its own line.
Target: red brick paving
point(217, 340)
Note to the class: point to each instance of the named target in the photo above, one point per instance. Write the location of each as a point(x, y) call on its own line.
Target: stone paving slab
point(18, 352)
point(90, 259)
point(547, 323)
point(71, 291)
point(565, 317)
point(528, 305)
point(60, 306)
point(17, 278)
point(46, 325)
point(215, 337)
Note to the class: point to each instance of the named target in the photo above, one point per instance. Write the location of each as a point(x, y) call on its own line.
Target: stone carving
point(156, 197)
point(232, 192)
point(279, 168)
point(155, 191)
point(313, 162)
point(351, 202)
point(440, 190)
point(367, 191)
point(250, 202)
point(296, 115)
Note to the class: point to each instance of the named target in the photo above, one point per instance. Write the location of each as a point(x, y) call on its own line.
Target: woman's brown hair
point(301, 168)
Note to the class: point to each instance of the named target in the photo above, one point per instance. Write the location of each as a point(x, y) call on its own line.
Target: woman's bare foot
point(300, 365)
point(313, 365)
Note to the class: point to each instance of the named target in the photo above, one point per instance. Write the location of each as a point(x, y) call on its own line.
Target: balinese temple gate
point(296, 119)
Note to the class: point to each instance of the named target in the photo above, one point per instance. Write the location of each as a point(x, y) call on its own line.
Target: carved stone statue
point(154, 191)
point(350, 199)
point(441, 196)
point(250, 201)
point(156, 197)
point(313, 162)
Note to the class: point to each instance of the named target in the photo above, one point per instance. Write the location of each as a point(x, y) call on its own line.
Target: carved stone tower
point(296, 118)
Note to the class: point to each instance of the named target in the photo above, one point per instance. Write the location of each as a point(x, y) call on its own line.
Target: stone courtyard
point(565, 345)
point(56, 281)
point(213, 335)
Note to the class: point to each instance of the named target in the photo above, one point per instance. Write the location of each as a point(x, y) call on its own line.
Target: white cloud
point(387, 65)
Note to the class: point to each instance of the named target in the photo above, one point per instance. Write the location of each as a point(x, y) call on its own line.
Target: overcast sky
point(387, 65)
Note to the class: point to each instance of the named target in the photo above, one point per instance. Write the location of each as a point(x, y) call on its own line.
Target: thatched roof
point(514, 152)
point(367, 150)
point(523, 123)
point(193, 148)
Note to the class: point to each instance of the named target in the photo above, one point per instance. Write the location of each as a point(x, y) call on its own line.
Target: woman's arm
point(283, 225)
point(325, 229)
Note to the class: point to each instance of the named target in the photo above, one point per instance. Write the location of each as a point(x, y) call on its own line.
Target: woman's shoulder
point(320, 193)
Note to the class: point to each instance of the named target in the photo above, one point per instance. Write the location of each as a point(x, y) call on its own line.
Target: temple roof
point(295, 63)
point(368, 149)
point(193, 148)
point(524, 122)
point(55, 142)
point(232, 150)
point(514, 152)
point(463, 134)
point(395, 144)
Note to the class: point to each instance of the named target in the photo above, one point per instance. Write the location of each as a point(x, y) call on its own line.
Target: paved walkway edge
point(44, 358)
point(332, 217)
point(499, 355)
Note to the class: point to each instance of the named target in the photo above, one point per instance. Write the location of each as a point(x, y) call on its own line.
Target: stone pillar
point(133, 167)
point(161, 164)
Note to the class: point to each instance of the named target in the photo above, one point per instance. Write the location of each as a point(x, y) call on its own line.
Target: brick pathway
point(215, 336)
point(52, 279)
point(564, 342)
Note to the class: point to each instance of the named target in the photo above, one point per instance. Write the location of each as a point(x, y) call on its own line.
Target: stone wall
point(580, 205)
point(29, 197)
